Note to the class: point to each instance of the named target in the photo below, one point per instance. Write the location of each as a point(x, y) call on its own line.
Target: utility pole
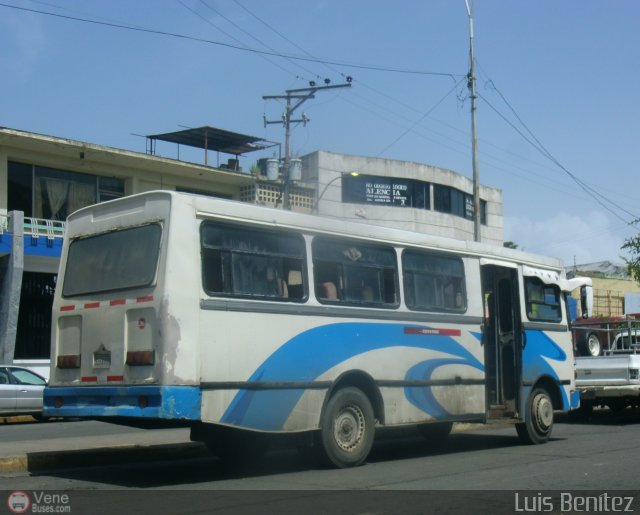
point(300, 96)
point(471, 83)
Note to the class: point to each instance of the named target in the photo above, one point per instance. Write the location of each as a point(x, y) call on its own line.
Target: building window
point(433, 282)
point(110, 188)
point(543, 301)
point(253, 263)
point(350, 272)
point(52, 194)
point(20, 188)
point(453, 201)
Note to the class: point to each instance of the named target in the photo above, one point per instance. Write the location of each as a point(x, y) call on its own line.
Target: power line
point(196, 13)
point(587, 189)
point(378, 68)
point(216, 11)
point(420, 120)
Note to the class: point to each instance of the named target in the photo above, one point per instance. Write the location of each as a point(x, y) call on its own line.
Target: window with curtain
point(59, 193)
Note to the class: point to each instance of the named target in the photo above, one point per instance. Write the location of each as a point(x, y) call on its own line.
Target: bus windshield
point(111, 261)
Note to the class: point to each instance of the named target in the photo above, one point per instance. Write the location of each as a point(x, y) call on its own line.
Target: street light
point(326, 186)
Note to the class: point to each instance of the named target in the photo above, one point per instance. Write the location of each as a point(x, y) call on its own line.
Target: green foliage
point(632, 245)
point(510, 245)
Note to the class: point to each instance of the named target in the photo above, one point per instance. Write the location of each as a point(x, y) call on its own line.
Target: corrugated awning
point(210, 138)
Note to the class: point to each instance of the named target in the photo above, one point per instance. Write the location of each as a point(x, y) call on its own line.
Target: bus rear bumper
point(157, 402)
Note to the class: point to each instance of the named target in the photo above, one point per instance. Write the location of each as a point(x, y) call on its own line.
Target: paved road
point(599, 455)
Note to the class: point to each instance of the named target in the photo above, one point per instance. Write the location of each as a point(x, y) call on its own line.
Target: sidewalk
point(37, 455)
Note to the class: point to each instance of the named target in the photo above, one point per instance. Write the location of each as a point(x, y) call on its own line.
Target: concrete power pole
point(471, 83)
point(300, 95)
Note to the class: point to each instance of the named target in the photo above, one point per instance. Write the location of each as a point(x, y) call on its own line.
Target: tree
point(510, 245)
point(632, 245)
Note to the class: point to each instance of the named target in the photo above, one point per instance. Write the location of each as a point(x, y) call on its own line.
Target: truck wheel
point(590, 345)
point(538, 418)
point(347, 428)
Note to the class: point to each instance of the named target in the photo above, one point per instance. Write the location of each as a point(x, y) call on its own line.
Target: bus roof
point(231, 210)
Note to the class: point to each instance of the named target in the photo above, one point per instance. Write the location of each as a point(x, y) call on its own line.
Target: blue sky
point(569, 70)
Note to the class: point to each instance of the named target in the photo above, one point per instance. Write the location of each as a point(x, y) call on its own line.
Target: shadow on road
point(602, 417)
point(395, 444)
point(389, 446)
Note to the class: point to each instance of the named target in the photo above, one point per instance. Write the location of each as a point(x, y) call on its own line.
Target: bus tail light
point(68, 361)
point(140, 358)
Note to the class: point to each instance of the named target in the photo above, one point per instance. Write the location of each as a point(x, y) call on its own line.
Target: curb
point(18, 419)
point(49, 460)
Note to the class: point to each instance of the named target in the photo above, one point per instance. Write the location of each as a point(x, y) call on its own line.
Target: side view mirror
point(586, 301)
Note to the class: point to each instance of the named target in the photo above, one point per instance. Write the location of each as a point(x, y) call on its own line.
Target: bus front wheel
point(347, 428)
point(538, 418)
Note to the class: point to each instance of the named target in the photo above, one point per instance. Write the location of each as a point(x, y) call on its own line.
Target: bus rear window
point(112, 261)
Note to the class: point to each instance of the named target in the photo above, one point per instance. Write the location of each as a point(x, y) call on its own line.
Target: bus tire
point(436, 432)
point(347, 428)
point(538, 422)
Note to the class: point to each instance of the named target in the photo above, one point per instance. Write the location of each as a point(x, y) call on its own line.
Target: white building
point(401, 194)
point(45, 178)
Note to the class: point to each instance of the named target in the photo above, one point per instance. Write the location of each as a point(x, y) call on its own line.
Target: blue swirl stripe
point(312, 353)
point(538, 350)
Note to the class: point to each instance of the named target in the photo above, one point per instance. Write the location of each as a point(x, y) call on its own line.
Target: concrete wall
point(327, 168)
point(11, 268)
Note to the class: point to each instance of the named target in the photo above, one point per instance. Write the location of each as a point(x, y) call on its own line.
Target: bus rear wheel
point(347, 428)
point(538, 418)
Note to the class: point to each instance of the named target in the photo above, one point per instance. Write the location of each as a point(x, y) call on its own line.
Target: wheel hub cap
point(543, 411)
point(349, 428)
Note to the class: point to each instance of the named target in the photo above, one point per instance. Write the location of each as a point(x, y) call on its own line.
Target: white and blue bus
point(237, 319)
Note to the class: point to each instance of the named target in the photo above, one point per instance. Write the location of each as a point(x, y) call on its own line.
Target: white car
point(20, 391)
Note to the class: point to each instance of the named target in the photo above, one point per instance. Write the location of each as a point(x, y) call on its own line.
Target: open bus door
point(502, 340)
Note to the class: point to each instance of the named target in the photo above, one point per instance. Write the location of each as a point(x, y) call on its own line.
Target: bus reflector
point(138, 358)
point(70, 361)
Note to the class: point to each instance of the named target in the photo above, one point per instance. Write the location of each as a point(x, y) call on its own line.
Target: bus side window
point(246, 262)
point(433, 282)
point(350, 272)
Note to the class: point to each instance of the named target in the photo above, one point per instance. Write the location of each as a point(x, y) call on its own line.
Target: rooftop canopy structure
point(211, 138)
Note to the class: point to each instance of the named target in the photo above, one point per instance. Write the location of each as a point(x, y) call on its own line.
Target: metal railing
point(36, 227)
